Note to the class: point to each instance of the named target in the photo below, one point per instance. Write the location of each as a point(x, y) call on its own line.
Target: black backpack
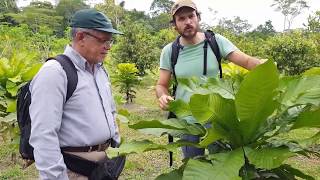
point(24, 100)
point(176, 46)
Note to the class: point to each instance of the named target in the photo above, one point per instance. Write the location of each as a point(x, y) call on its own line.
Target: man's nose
point(188, 21)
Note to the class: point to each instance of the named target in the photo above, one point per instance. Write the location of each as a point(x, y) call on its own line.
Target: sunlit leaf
point(269, 158)
point(224, 166)
point(11, 105)
point(308, 119)
point(180, 108)
point(254, 100)
point(176, 174)
point(28, 75)
point(144, 146)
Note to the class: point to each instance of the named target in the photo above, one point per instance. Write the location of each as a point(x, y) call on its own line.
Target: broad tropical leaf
point(173, 175)
point(208, 86)
point(11, 105)
point(315, 139)
point(269, 158)
point(221, 113)
point(144, 146)
point(225, 88)
point(211, 136)
point(224, 166)
point(180, 108)
point(175, 127)
point(312, 71)
point(198, 170)
point(308, 119)
point(254, 100)
point(300, 90)
point(28, 75)
point(287, 172)
point(12, 88)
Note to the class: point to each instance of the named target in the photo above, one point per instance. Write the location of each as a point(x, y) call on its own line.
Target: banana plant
point(248, 118)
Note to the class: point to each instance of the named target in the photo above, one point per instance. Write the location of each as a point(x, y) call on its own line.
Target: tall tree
point(160, 6)
point(314, 22)
point(290, 10)
point(115, 12)
point(39, 14)
point(138, 46)
point(267, 28)
point(236, 25)
point(7, 6)
point(66, 8)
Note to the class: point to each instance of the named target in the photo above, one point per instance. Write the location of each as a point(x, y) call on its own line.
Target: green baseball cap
point(92, 19)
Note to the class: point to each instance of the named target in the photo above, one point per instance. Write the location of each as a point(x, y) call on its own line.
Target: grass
point(146, 165)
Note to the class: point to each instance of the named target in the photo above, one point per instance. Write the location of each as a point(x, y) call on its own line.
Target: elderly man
point(70, 136)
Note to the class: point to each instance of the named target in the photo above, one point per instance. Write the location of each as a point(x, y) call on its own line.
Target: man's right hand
point(164, 100)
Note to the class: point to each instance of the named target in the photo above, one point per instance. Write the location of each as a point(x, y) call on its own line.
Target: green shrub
point(126, 78)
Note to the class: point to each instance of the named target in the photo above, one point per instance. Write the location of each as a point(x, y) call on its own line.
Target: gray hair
point(75, 30)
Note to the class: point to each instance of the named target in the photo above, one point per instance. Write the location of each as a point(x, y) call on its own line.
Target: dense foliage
point(33, 33)
point(247, 116)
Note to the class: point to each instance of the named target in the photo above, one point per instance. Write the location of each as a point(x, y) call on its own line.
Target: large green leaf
point(208, 86)
point(212, 107)
point(225, 166)
point(211, 136)
point(12, 88)
point(144, 146)
point(162, 131)
point(28, 75)
point(300, 90)
point(224, 87)
point(286, 172)
point(175, 127)
point(269, 158)
point(173, 175)
point(254, 100)
point(196, 169)
point(202, 107)
point(180, 108)
point(221, 112)
point(308, 119)
point(11, 105)
point(312, 71)
point(190, 84)
point(315, 139)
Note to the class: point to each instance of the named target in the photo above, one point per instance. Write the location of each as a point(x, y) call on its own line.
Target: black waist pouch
point(107, 169)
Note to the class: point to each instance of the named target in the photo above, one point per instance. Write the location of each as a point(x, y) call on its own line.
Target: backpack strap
point(71, 73)
point(210, 36)
point(175, 49)
point(174, 58)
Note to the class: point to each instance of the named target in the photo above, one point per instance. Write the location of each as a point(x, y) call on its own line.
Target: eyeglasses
point(102, 41)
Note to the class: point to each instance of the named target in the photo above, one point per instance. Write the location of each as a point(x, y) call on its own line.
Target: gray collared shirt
point(87, 118)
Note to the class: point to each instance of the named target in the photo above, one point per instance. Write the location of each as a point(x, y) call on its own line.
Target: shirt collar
point(77, 59)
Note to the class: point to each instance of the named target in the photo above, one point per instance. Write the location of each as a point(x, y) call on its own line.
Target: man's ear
point(199, 17)
point(79, 36)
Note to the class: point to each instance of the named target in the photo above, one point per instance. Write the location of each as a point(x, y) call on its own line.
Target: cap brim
point(110, 30)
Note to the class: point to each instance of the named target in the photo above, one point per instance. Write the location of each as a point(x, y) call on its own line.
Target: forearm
point(243, 60)
point(252, 62)
point(161, 90)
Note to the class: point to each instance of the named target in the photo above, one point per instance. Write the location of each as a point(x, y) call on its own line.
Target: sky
point(255, 11)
